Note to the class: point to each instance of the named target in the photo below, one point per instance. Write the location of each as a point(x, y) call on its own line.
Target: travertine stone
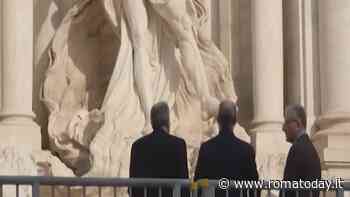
point(268, 87)
point(17, 127)
point(267, 61)
point(19, 134)
point(111, 67)
point(300, 41)
point(225, 25)
point(1, 46)
point(293, 50)
point(17, 59)
point(16, 161)
point(334, 25)
point(332, 137)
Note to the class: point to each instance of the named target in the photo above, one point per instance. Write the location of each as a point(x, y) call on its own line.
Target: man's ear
point(299, 124)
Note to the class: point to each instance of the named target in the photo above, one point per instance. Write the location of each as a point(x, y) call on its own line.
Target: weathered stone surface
point(102, 80)
point(16, 162)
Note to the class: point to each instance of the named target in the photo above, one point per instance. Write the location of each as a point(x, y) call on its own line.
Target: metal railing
point(37, 183)
point(203, 188)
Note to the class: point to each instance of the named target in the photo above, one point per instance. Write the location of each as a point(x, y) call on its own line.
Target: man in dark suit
point(159, 154)
point(303, 162)
point(226, 156)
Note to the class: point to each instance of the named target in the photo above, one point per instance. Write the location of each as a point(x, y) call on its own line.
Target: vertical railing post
point(211, 191)
point(145, 192)
point(159, 191)
point(269, 193)
point(177, 191)
point(194, 189)
point(340, 192)
point(194, 192)
point(53, 191)
point(208, 191)
point(17, 190)
point(36, 189)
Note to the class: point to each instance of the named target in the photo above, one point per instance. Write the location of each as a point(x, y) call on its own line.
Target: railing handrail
point(93, 181)
point(116, 182)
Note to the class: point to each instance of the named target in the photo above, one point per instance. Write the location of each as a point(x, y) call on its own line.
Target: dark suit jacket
point(302, 163)
point(226, 156)
point(158, 155)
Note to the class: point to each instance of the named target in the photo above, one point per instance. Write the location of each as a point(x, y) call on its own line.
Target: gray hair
point(160, 117)
point(296, 112)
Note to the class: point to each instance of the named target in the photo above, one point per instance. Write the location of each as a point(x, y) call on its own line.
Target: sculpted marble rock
point(111, 61)
point(75, 84)
point(15, 161)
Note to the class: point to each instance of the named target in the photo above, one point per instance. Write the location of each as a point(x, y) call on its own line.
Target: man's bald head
point(227, 116)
